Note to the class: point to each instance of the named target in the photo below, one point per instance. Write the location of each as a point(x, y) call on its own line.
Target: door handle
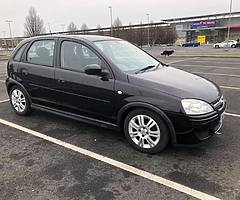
point(24, 72)
point(61, 80)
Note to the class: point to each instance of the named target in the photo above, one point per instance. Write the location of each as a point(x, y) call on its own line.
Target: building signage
point(203, 24)
point(201, 39)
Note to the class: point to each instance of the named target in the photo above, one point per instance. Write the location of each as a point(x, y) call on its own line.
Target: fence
point(159, 33)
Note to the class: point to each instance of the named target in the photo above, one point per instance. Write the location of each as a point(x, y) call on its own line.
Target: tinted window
point(41, 52)
point(18, 55)
point(77, 56)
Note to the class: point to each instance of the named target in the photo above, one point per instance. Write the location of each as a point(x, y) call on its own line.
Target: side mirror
point(95, 69)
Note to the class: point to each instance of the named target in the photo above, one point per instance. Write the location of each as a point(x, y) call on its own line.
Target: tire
point(139, 139)
point(233, 46)
point(19, 101)
point(216, 46)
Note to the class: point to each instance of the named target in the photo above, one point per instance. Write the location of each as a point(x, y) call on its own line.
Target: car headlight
point(196, 107)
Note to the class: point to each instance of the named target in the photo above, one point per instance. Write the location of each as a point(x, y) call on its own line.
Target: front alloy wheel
point(146, 131)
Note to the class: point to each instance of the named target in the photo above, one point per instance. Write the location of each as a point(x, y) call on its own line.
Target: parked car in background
point(230, 43)
point(109, 82)
point(191, 44)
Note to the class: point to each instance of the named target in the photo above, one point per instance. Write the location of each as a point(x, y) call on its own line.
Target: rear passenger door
point(37, 70)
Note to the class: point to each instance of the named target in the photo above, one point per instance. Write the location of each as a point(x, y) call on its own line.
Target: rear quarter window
point(18, 55)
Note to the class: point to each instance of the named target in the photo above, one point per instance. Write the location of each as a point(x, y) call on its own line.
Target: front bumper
point(200, 130)
point(194, 129)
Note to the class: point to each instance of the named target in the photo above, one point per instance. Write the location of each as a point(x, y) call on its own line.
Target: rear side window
point(19, 53)
point(41, 52)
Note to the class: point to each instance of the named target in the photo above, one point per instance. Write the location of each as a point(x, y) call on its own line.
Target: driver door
point(78, 92)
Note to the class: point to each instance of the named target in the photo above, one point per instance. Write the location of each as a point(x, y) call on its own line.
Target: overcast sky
point(94, 12)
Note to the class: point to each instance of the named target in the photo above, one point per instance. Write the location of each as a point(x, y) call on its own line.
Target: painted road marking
point(3, 101)
point(177, 61)
point(228, 87)
point(123, 166)
point(208, 66)
point(214, 61)
point(231, 114)
point(2, 81)
point(217, 74)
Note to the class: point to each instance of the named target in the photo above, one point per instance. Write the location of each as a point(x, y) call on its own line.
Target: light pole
point(229, 22)
point(10, 30)
point(148, 29)
point(111, 18)
point(9, 26)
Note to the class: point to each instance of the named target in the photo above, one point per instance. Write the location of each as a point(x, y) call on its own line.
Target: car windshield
point(126, 56)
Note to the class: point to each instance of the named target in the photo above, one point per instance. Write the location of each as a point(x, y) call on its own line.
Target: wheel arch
point(125, 110)
point(11, 82)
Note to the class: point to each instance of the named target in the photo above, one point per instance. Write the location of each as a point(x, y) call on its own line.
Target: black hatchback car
point(109, 82)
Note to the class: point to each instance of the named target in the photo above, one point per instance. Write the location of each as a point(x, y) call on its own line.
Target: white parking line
point(231, 114)
point(123, 166)
point(217, 74)
point(3, 101)
point(214, 61)
point(228, 87)
point(208, 66)
point(177, 61)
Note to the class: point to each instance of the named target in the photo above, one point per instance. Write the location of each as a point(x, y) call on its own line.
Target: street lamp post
point(111, 19)
point(9, 26)
point(148, 30)
point(10, 30)
point(229, 22)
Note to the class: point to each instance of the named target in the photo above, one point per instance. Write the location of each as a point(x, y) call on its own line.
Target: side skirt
point(81, 118)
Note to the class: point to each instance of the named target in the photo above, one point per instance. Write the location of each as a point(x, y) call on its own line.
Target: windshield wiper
point(145, 68)
point(164, 64)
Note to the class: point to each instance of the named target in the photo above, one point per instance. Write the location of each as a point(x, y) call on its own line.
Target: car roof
point(91, 38)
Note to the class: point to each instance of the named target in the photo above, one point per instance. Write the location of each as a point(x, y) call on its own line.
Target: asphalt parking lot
point(34, 168)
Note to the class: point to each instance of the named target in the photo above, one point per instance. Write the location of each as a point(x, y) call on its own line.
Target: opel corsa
point(109, 82)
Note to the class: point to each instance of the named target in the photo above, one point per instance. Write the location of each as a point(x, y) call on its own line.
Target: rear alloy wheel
point(19, 101)
point(146, 131)
point(216, 46)
point(233, 46)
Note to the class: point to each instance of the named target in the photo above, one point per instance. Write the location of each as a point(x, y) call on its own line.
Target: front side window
point(76, 56)
point(126, 56)
point(41, 52)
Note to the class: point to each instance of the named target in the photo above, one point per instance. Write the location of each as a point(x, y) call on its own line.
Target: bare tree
point(84, 27)
point(72, 27)
point(33, 25)
point(117, 22)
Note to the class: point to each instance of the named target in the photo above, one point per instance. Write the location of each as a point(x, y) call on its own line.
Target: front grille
point(220, 104)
